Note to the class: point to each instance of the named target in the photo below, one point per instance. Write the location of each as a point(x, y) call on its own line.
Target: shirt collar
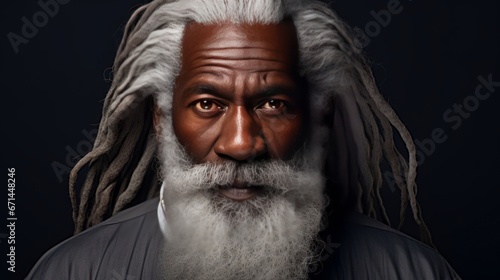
point(162, 218)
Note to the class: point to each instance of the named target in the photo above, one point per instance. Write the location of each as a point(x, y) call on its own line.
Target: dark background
point(426, 59)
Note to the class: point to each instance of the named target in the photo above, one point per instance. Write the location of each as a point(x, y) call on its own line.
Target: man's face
point(239, 197)
point(236, 96)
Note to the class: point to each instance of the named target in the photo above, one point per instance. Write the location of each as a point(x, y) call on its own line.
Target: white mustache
point(275, 176)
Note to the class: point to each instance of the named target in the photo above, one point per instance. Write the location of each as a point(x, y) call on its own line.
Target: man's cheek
point(199, 143)
point(280, 134)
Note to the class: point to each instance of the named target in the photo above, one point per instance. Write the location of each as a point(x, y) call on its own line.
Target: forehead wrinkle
point(233, 60)
point(220, 71)
point(244, 49)
point(232, 67)
point(241, 47)
point(274, 41)
point(239, 54)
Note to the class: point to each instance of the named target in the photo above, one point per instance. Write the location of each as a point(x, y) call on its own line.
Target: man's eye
point(274, 105)
point(207, 105)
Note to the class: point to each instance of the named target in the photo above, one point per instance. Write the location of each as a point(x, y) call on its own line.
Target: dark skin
point(237, 96)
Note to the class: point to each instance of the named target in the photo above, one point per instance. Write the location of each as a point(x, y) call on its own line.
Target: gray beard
point(271, 236)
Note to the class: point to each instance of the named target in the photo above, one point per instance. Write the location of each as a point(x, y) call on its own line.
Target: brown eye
point(206, 105)
point(273, 105)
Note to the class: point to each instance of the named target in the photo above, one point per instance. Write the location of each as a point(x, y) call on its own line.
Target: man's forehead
point(242, 41)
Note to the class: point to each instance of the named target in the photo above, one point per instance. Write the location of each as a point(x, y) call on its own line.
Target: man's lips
point(240, 191)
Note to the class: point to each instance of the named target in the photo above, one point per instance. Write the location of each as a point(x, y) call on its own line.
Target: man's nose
point(240, 138)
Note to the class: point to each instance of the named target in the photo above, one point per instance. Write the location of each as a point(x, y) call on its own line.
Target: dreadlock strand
point(389, 113)
point(371, 130)
point(129, 30)
point(136, 179)
point(134, 28)
point(107, 184)
point(398, 176)
point(387, 143)
point(424, 230)
point(84, 201)
point(108, 163)
point(96, 152)
point(395, 159)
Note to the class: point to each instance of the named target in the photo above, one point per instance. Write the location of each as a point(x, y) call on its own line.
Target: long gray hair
point(358, 121)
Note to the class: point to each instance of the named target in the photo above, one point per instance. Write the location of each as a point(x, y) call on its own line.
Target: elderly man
point(269, 132)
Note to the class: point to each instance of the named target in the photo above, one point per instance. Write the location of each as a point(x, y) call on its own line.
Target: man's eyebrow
point(275, 90)
point(201, 88)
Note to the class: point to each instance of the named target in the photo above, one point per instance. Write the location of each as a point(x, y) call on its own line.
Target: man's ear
point(156, 120)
